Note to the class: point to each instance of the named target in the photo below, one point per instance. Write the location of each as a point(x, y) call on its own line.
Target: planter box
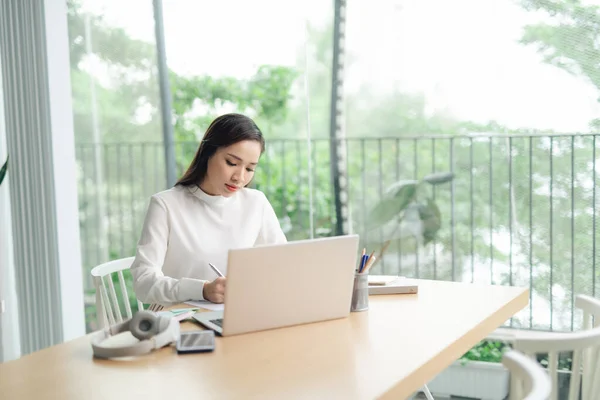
point(473, 379)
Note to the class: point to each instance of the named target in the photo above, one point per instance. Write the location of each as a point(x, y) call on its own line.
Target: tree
point(198, 100)
point(129, 83)
point(568, 38)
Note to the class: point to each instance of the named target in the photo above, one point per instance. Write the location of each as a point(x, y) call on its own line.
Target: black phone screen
point(196, 341)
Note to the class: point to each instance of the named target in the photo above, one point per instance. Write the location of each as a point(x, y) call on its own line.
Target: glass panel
point(436, 86)
point(253, 62)
point(117, 127)
point(422, 92)
point(250, 61)
point(503, 94)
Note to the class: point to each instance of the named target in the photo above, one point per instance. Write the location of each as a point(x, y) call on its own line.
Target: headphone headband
point(154, 332)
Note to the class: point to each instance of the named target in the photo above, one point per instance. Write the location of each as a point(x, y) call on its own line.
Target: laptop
point(275, 286)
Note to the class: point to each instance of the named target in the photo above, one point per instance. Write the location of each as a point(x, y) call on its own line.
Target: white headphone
point(153, 330)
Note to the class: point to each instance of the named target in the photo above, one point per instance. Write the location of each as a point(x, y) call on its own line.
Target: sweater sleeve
point(270, 230)
point(149, 283)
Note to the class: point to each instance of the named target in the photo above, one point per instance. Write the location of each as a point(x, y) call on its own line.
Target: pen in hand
point(216, 270)
point(215, 291)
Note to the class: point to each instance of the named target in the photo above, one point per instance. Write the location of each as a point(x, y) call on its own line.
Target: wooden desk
point(390, 351)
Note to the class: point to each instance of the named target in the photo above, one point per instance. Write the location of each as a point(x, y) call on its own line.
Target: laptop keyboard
point(218, 322)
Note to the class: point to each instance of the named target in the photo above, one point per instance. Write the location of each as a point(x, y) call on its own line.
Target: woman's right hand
point(215, 291)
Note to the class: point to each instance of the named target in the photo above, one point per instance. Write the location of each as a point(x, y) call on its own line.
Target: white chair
point(527, 372)
point(108, 310)
point(427, 393)
point(585, 345)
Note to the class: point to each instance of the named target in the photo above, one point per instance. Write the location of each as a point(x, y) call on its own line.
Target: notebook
point(388, 284)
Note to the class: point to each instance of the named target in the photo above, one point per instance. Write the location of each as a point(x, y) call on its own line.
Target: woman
point(209, 211)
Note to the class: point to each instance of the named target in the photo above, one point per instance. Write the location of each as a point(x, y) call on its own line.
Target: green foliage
point(269, 92)
point(492, 351)
point(431, 218)
point(439, 178)
point(395, 203)
point(568, 39)
point(487, 351)
point(565, 360)
point(410, 202)
point(129, 87)
point(3, 170)
point(111, 44)
point(283, 176)
point(264, 96)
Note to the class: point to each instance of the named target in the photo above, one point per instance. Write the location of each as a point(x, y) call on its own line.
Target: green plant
point(409, 202)
point(492, 351)
point(486, 350)
point(3, 170)
point(565, 360)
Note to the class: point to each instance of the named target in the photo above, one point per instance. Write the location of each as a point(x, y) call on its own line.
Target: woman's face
point(231, 168)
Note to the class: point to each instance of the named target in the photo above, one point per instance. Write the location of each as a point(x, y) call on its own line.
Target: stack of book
point(388, 284)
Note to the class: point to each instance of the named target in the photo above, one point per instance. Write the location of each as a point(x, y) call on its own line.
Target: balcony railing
point(521, 210)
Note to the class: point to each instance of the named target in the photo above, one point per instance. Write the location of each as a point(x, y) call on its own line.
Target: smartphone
point(196, 342)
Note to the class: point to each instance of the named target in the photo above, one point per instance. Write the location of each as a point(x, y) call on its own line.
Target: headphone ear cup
point(144, 325)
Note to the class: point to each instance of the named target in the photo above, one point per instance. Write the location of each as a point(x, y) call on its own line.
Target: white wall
point(65, 167)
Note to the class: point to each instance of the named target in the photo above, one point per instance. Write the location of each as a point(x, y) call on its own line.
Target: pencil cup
point(360, 293)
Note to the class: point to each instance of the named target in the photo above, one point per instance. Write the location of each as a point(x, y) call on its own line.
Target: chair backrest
point(533, 382)
point(585, 345)
point(108, 310)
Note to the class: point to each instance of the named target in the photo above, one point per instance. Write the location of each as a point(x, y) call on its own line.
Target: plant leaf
point(384, 211)
point(405, 192)
point(488, 351)
point(439, 178)
point(3, 170)
point(393, 203)
point(431, 217)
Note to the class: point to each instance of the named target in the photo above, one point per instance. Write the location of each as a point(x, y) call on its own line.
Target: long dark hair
point(224, 131)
